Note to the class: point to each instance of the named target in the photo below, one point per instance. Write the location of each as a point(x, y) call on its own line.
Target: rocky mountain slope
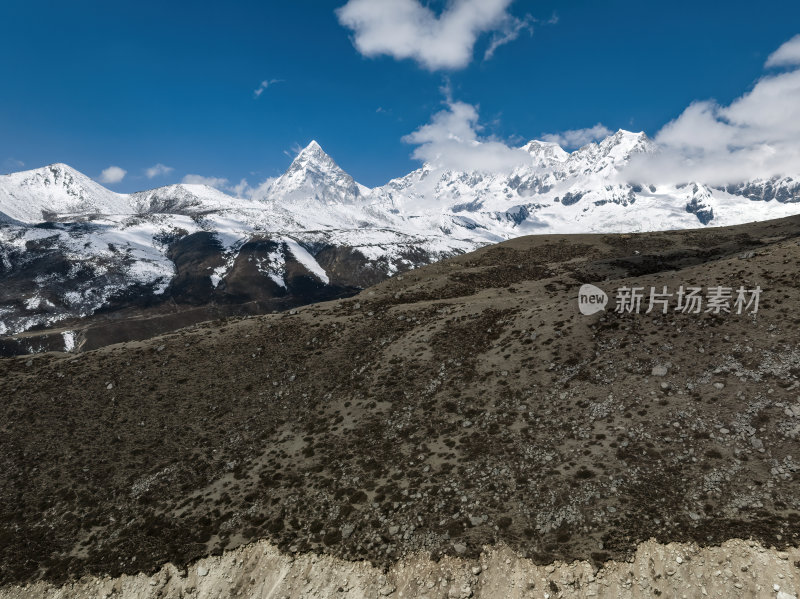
point(466, 403)
point(70, 249)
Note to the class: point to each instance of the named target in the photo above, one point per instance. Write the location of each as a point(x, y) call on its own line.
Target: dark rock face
point(518, 214)
point(703, 213)
point(46, 286)
point(348, 267)
point(44, 282)
point(194, 256)
point(780, 189)
point(571, 198)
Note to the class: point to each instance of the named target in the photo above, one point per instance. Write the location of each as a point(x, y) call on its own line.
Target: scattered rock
point(659, 371)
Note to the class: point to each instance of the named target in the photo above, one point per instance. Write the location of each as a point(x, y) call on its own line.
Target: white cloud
point(264, 85)
point(13, 163)
point(576, 138)
point(217, 182)
point(242, 189)
point(756, 136)
point(509, 31)
point(113, 174)
point(451, 141)
point(787, 55)
point(407, 29)
point(260, 191)
point(158, 170)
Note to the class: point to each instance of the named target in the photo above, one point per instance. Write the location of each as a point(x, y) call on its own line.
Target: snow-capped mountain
point(36, 195)
point(313, 177)
point(180, 199)
point(69, 247)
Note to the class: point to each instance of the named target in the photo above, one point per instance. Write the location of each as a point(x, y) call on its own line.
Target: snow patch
point(69, 340)
point(302, 255)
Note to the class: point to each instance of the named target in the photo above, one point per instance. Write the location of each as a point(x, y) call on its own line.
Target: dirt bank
point(735, 569)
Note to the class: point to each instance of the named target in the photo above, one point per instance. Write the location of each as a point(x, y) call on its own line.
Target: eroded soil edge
point(737, 568)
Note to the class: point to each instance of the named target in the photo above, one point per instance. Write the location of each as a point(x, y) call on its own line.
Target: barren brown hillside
point(462, 404)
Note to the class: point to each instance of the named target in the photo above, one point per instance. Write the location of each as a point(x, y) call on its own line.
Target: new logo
point(591, 299)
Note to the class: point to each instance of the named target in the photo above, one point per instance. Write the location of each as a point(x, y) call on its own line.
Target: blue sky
point(135, 84)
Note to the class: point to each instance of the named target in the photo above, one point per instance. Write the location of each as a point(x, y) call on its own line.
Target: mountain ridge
point(313, 177)
point(70, 248)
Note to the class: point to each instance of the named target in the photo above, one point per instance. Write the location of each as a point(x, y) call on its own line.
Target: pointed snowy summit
point(312, 151)
point(313, 158)
point(313, 176)
point(628, 142)
point(546, 153)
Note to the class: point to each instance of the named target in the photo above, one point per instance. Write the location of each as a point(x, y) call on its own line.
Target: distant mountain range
point(70, 248)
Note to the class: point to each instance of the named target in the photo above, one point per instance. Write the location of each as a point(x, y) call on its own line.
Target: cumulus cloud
point(242, 189)
point(217, 182)
point(158, 170)
point(408, 29)
point(113, 174)
point(576, 138)
point(787, 55)
point(756, 136)
point(262, 87)
point(451, 141)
